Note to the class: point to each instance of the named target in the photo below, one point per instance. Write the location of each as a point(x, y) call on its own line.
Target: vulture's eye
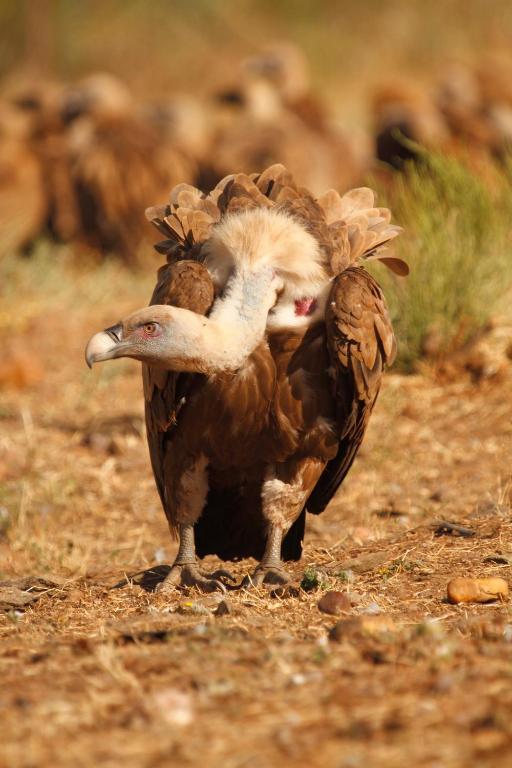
point(150, 328)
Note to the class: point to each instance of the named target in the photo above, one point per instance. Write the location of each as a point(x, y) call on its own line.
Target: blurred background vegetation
point(187, 44)
point(458, 242)
point(457, 236)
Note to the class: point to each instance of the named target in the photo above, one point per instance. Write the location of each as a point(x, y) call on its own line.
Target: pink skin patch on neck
point(305, 306)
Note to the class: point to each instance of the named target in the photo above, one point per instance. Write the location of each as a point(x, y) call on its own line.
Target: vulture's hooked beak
point(104, 345)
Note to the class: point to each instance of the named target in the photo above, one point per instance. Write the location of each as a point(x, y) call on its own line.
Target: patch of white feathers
point(254, 240)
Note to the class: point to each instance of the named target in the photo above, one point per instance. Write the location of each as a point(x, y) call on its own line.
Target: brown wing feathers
point(185, 284)
point(361, 343)
point(350, 228)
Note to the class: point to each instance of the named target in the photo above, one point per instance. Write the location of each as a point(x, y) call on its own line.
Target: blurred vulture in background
point(285, 67)
point(23, 208)
point(476, 103)
point(119, 160)
point(263, 354)
point(186, 123)
point(80, 163)
point(405, 118)
point(467, 113)
point(270, 115)
point(36, 196)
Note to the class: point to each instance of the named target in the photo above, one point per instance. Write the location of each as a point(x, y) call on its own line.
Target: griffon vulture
point(263, 352)
point(285, 66)
point(119, 162)
point(404, 116)
point(23, 209)
point(258, 122)
point(36, 196)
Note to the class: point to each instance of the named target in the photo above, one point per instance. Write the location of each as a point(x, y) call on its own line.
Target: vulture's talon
point(266, 575)
point(223, 575)
point(189, 575)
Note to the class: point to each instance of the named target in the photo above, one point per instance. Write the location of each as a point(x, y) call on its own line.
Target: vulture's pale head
point(159, 335)
point(177, 339)
point(99, 96)
point(283, 65)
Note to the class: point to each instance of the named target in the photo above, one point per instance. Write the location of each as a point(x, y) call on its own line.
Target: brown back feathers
point(349, 228)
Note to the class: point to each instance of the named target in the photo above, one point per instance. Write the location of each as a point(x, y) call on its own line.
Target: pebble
point(466, 590)
point(334, 603)
point(363, 626)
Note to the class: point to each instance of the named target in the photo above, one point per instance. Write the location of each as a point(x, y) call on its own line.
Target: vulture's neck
point(224, 340)
point(243, 255)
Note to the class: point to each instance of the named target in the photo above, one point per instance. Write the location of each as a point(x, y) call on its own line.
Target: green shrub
point(457, 241)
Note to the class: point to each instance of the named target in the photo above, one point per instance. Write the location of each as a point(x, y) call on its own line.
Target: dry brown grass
point(96, 675)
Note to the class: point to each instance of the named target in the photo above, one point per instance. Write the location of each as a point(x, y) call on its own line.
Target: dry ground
point(101, 671)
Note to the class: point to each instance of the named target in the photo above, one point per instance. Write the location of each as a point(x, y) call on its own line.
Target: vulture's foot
point(266, 574)
point(185, 570)
point(189, 575)
point(270, 570)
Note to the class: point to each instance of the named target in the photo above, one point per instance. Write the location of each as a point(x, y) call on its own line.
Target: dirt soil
point(97, 669)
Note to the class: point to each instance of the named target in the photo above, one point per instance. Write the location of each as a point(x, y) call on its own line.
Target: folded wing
point(186, 284)
point(361, 343)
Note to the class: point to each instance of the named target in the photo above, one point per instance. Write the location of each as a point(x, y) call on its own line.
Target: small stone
point(223, 608)
point(378, 627)
point(334, 603)
point(466, 590)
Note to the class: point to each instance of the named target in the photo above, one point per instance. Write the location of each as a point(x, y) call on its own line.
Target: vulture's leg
point(270, 569)
point(285, 491)
point(189, 497)
point(185, 571)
